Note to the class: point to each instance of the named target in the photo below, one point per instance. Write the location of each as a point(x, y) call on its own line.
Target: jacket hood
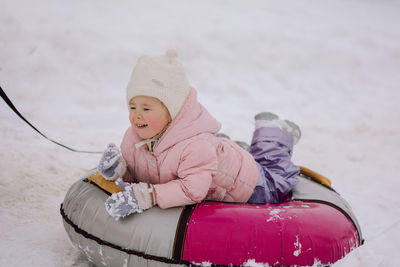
point(193, 119)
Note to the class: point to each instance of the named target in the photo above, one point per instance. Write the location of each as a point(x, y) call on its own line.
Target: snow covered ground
point(330, 66)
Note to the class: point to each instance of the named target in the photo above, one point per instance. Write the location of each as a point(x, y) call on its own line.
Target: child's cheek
point(155, 123)
point(131, 118)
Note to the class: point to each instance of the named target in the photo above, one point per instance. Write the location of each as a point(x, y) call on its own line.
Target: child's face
point(148, 116)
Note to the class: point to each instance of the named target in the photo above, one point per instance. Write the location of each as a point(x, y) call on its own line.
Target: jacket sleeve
point(197, 166)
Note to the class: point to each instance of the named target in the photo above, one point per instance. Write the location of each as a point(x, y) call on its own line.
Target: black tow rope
point(11, 105)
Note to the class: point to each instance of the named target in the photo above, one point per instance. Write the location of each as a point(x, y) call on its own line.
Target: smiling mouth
point(141, 126)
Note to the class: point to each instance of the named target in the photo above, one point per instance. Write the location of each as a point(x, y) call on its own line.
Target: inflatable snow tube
point(315, 225)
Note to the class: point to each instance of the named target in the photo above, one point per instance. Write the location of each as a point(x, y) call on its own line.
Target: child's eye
point(132, 108)
point(146, 109)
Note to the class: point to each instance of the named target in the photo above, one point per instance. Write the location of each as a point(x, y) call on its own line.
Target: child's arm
point(198, 164)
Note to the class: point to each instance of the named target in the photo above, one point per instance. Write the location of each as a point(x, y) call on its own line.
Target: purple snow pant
point(272, 150)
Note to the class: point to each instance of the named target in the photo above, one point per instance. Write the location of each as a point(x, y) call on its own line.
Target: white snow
point(253, 263)
point(330, 66)
point(297, 246)
point(274, 215)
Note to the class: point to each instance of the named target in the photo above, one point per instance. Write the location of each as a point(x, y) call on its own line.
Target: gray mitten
point(112, 165)
point(133, 199)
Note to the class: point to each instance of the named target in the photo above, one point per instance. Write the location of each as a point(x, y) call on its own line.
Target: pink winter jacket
point(189, 163)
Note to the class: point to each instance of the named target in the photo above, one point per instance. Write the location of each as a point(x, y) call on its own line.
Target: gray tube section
point(152, 232)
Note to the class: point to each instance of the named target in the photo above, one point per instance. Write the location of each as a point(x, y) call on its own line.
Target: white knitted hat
point(161, 77)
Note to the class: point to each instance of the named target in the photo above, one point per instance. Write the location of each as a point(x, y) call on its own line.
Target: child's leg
point(262, 193)
point(272, 147)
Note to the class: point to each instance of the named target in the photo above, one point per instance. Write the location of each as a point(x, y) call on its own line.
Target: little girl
point(170, 156)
